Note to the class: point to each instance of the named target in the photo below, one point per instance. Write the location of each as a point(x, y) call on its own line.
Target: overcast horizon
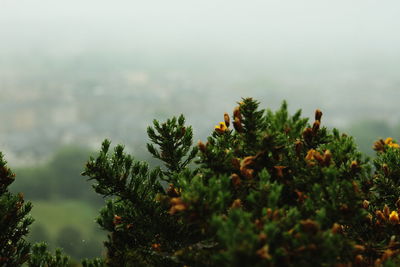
point(191, 57)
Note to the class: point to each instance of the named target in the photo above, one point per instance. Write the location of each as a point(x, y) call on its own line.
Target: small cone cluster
point(381, 144)
point(387, 216)
point(310, 133)
point(314, 156)
point(177, 205)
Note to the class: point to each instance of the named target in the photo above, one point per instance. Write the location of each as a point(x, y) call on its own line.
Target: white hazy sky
point(327, 47)
point(343, 27)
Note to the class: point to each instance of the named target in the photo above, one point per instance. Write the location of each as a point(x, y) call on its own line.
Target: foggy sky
point(326, 30)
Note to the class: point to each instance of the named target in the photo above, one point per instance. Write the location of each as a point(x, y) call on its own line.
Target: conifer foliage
point(265, 189)
point(14, 221)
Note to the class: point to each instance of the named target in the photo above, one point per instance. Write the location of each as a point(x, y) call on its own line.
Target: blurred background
point(73, 73)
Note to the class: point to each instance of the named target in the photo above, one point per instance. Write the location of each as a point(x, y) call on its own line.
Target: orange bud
point(263, 253)
point(310, 154)
point(202, 146)
point(369, 217)
point(309, 226)
point(237, 203)
point(327, 157)
point(235, 179)
point(236, 113)
point(359, 260)
point(386, 211)
point(262, 236)
point(227, 119)
point(354, 165)
point(379, 145)
point(318, 115)
point(248, 173)
point(336, 228)
point(387, 254)
point(308, 134)
point(300, 196)
point(237, 124)
point(365, 204)
point(378, 263)
point(156, 247)
point(298, 147)
point(221, 127)
point(279, 170)
point(177, 205)
point(388, 140)
point(380, 215)
point(319, 158)
point(359, 248)
point(117, 220)
point(236, 163)
point(247, 162)
point(385, 169)
point(394, 217)
point(316, 126)
point(172, 191)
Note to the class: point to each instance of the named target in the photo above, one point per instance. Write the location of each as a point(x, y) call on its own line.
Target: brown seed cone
point(309, 226)
point(359, 260)
point(298, 146)
point(386, 211)
point(380, 216)
point(315, 127)
point(237, 203)
point(227, 119)
point(354, 166)
point(308, 134)
point(387, 254)
point(172, 191)
point(365, 204)
point(236, 163)
point(336, 228)
point(379, 145)
point(385, 169)
point(247, 173)
point(236, 113)
point(327, 157)
point(247, 162)
point(318, 115)
point(237, 124)
point(202, 147)
point(279, 170)
point(236, 181)
point(264, 253)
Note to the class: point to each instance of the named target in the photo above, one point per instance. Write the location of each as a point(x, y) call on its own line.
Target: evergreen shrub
point(265, 189)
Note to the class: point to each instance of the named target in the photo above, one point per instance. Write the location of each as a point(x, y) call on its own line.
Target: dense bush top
point(265, 189)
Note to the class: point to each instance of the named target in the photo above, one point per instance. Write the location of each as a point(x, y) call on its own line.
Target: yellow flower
point(221, 128)
point(394, 217)
point(394, 145)
point(388, 140)
point(390, 143)
point(310, 154)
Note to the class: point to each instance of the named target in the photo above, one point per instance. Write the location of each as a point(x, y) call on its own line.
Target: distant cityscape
point(83, 103)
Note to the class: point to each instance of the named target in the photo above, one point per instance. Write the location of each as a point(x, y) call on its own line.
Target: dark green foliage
point(93, 263)
point(129, 216)
point(273, 191)
point(41, 257)
point(14, 221)
point(174, 140)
